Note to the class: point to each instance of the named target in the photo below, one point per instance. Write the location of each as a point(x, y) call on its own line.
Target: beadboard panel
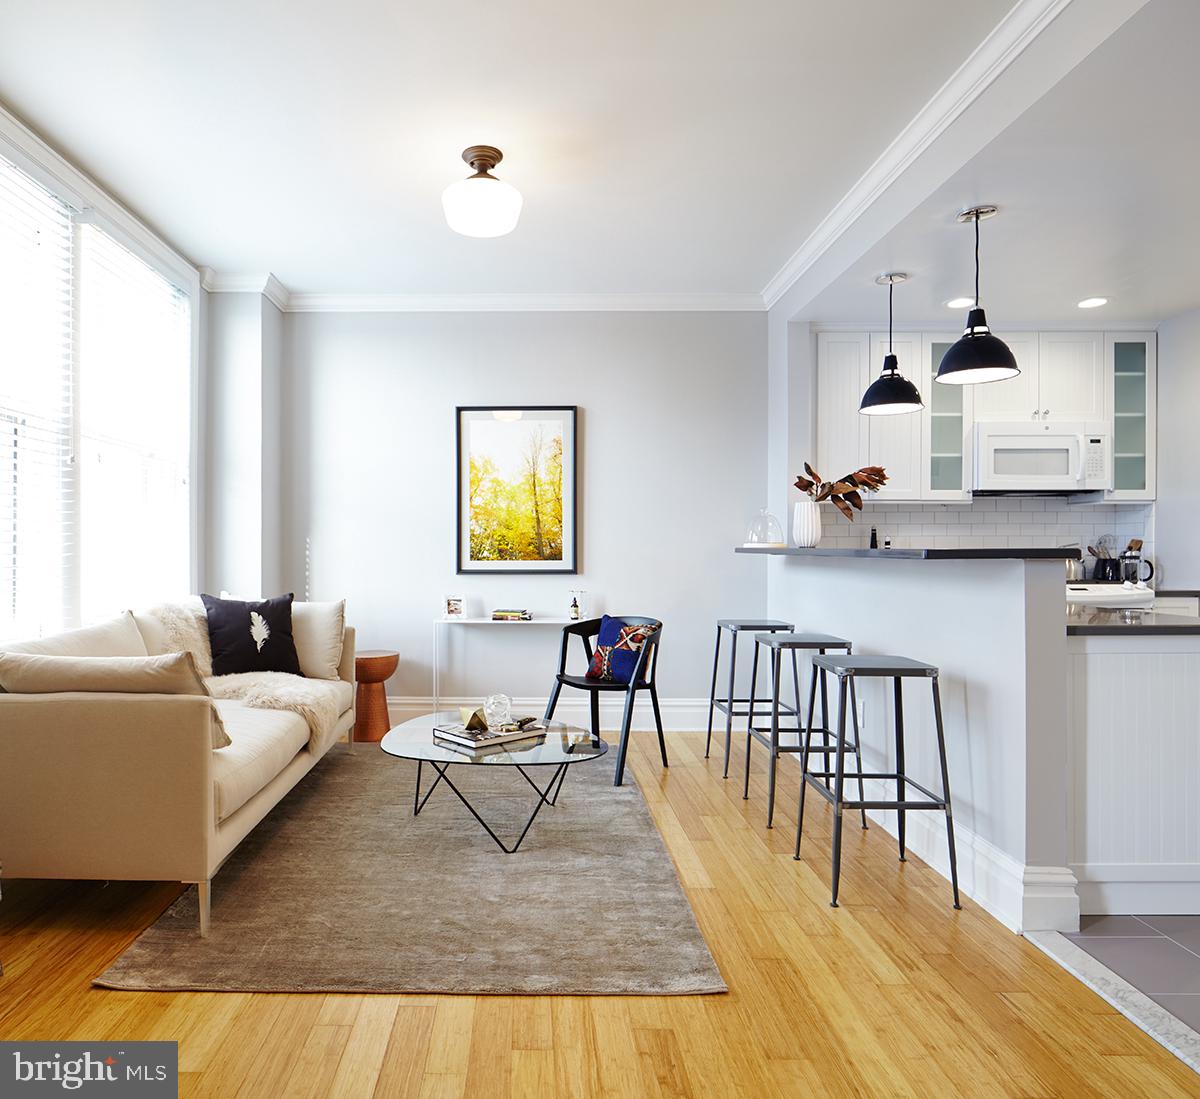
point(1134, 743)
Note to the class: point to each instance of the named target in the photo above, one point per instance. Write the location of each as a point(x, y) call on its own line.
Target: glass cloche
point(764, 532)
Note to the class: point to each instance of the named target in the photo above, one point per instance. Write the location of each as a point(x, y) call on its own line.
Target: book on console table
point(507, 615)
point(459, 734)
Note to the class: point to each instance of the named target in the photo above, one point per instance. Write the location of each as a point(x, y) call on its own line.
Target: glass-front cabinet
point(947, 465)
point(1131, 377)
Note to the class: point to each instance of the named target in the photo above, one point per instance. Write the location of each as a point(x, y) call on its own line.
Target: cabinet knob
point(1045, 412)
point(1034, 414)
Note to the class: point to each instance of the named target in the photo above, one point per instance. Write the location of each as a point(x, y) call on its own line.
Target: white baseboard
point(680, 715)
point(1166, 889)
point(1023, 898)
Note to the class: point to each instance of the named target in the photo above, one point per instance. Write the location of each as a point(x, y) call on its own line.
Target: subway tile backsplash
point(993, 521)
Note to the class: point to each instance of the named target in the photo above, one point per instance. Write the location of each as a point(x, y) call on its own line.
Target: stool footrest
point(723, 704)
point(938, 801)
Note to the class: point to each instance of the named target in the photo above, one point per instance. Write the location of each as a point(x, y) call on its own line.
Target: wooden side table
point(372, 667)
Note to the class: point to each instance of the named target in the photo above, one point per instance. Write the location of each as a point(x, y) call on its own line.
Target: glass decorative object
point(497, 709)
point(764, 531)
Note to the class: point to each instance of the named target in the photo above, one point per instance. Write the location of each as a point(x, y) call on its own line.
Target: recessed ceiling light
point(960, 303)
point(1092, 303)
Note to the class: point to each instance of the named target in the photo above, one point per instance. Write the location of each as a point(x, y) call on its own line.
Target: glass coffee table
point(558, 747)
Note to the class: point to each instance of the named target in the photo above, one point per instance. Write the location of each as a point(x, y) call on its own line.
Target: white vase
point(806, 523)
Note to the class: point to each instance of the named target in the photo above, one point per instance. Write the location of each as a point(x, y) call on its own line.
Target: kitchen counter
point(1105, 622)
point(915, 553)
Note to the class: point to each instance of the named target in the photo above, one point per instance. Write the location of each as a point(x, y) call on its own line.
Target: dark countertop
point(912, 553)
point(1104, 622)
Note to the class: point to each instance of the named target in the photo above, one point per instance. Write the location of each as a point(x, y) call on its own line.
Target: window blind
point(134, 412)
point(37, 483)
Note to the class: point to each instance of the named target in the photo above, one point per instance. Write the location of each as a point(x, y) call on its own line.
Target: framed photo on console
point(516, 488)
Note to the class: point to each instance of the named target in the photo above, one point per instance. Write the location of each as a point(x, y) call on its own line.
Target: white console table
point(438, 623)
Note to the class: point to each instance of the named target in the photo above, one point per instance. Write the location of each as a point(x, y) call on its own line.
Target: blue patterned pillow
point(618, 646)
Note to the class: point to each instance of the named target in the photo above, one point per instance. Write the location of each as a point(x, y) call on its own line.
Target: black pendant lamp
point(978, 356)
point(891, 393)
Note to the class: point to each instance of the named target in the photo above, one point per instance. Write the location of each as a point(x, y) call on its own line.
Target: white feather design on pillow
point(259, 630)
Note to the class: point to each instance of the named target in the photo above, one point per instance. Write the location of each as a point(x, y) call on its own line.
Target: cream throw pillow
point(117, 637)
point(170, 674)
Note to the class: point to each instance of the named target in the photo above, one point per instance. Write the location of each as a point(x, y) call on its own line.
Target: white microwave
point(1042, 457)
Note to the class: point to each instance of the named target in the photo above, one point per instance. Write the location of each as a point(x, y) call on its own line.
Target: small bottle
point(874, 539)
point(887, 543)
point(574, 609)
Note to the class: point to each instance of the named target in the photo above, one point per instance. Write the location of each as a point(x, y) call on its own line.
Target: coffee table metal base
point(544, 797)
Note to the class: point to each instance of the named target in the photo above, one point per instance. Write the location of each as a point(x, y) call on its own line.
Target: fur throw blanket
point(315, 700)
point(186, 627)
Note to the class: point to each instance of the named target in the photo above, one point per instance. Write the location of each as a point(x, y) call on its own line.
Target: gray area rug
point(341, 889)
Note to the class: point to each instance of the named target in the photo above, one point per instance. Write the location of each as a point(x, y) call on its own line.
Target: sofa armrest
point(346, 665)
point(99, 785)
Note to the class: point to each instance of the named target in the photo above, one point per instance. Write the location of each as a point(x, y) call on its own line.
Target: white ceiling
point(1096, 184)
point(661, 148)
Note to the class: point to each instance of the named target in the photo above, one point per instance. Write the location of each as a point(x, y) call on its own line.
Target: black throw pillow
point(251, 637)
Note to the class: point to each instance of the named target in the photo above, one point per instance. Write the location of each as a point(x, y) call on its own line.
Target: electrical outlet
point(862, 714)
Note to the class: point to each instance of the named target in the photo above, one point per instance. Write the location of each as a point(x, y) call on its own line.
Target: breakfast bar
point(1061, 729)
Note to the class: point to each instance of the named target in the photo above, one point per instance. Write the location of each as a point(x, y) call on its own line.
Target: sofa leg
point(204, 899)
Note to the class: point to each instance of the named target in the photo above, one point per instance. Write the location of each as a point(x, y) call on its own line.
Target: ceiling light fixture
point(978, 356)
point(960, 303)
point(1092, 303)
point(482, 205)
point(891, 393)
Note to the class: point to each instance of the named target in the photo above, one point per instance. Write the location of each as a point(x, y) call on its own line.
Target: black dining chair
point(642, 680)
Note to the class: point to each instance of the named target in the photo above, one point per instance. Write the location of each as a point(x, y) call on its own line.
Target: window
point(95, 420)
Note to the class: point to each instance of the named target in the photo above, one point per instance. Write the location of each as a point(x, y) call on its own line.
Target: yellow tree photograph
point(516, 489)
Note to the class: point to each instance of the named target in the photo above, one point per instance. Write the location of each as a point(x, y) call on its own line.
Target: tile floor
point(1158, 955)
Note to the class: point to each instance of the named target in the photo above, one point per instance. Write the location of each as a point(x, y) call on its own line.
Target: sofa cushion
point(115, 637)
point(318, 630)
point(251, 636)
point(171, 674)
point(344, 693)
point(264, 743)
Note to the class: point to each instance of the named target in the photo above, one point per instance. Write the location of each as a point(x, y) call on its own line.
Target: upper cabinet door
point(1017, 398)
point(842, 375)
point(946, 428)
point(894, 442)
point(1071, 382)
point(1131, 383)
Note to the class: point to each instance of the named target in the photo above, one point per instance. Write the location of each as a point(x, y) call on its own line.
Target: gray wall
point(1177, 512)
point(672, 462)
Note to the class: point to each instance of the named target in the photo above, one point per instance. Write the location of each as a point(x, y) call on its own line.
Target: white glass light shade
point(482, 206)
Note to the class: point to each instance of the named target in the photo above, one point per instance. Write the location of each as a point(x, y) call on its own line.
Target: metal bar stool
point(848, 668)
point(778, 643)
point(729, 704)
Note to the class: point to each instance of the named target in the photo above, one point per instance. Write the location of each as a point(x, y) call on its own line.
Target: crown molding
point(266, 284)
point(524, 303)
point(1007, 41)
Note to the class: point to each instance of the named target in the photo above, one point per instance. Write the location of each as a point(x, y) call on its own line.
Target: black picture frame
point(569, 565)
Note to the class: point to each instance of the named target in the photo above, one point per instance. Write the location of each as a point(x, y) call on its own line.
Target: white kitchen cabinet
point(1187, 605)
point(1131, 384)
point(842, 375)
point(1080, 377)
point(946, 453)
point(895, 441)
point(1071, 378)
point(1013, 399)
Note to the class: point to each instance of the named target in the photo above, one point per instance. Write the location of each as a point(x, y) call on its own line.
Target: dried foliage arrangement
point(846, 492)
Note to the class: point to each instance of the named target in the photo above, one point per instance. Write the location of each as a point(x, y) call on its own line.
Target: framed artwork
point(516, 488)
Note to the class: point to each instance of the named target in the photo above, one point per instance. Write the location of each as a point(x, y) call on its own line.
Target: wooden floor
point(893, 994)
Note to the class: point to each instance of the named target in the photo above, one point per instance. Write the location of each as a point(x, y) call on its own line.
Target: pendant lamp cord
point(977, 260)
point(891, 290)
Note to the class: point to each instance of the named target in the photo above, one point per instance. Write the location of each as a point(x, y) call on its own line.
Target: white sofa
point(129, 787)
